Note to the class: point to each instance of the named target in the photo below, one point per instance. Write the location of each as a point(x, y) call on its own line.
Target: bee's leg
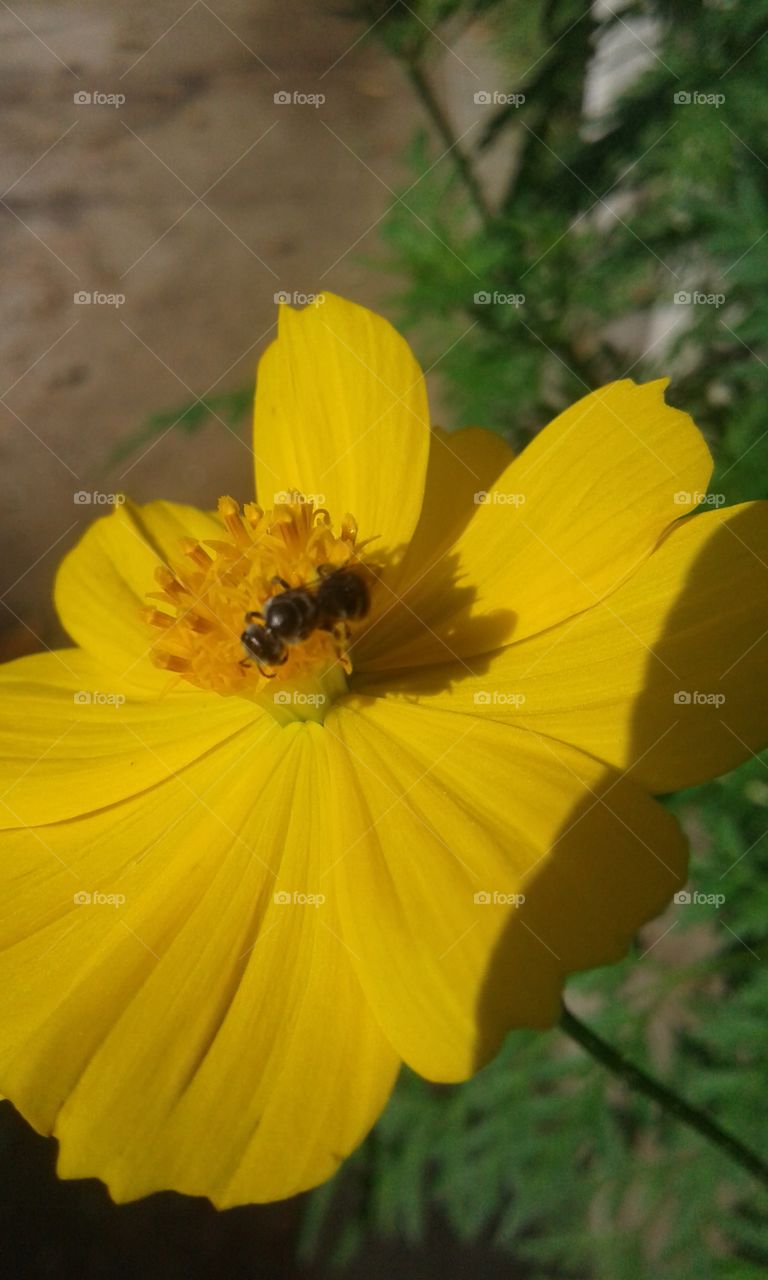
point(345, 662)
point(340, 633)
point(270, 675)
point(254, 613)
point(282, 583)
point(245, 662)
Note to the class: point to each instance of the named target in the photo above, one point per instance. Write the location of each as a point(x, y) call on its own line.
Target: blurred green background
point(584, 197)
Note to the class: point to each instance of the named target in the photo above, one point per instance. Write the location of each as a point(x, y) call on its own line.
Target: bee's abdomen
point(343, 595)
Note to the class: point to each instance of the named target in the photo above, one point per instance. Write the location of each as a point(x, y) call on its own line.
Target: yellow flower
point(237, 894)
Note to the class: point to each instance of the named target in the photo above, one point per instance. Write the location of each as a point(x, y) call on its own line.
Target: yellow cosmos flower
point(238, 894)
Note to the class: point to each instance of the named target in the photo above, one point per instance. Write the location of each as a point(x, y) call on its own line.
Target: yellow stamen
point(170, 662)
point(233, 522)
point(204, 598)
point(195, 552)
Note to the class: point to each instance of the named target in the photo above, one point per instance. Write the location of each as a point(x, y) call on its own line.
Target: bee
point(338, 597)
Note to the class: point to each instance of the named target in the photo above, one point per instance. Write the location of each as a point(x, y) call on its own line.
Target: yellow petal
point(435, 809)
point(570, 518)
point(202, 1035)
point(341, 414)
point(668, 678)
point(72, 741)
point(102, 584)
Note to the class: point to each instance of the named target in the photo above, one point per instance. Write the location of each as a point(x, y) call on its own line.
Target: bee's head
point(259, 643)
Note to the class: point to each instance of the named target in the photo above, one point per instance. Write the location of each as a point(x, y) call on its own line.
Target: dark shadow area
point(580, 899)
point(479, 634)
point(459, 470)
point(53, 1229)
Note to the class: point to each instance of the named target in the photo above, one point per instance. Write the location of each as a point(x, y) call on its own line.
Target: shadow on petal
point(619, 857)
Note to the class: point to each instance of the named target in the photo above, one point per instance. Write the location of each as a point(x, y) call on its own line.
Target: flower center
point(267, 610)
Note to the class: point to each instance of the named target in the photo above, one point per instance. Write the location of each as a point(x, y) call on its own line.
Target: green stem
point(442, 124)
point(604, 1053)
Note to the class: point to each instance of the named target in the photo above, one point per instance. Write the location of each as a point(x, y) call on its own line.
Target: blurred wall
point(196, 198)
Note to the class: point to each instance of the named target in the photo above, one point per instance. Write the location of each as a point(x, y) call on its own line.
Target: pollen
point(198, 612)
